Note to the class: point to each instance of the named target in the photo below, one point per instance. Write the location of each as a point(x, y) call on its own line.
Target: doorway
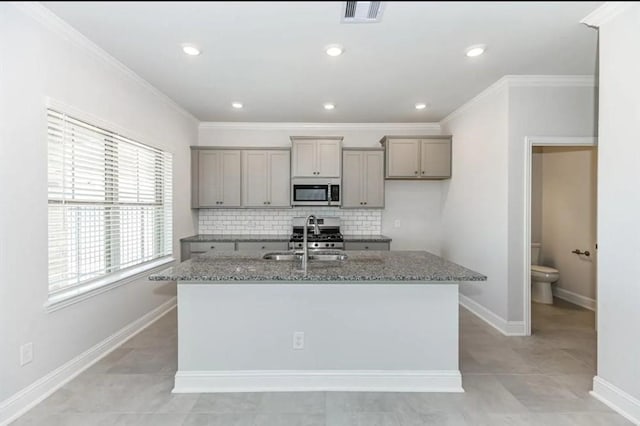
point(565, 229)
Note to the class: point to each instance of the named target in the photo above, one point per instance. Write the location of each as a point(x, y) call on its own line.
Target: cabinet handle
point(268, 202)
point(423, 172)
point(213, 247)
point(366, 247)
point(263, 247)
point(365, 203)
point(416, 172)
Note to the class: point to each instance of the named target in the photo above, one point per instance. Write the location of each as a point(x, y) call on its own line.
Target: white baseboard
point(318, 380)
point(575, 298)
point(617, 399)
point(27, 398)
point(508, 328)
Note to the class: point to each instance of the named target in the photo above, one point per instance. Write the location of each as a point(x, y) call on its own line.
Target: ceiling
point(270, 55)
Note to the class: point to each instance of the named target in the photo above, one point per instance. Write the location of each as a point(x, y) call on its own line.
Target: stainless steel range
point(328, 237)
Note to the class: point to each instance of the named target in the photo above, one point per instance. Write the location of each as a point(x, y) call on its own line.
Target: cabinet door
point(373, 178)
point(255, 178)
point(230, 178)
point(352, 179)
point(279, 179)
point(377, 245)
point(328, 158)
point(209, 194)
point(304, 158)
point(435, 158)
point(403, 159)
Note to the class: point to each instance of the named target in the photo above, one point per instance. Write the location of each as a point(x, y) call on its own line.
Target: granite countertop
point(361, 266)
point(201, 238)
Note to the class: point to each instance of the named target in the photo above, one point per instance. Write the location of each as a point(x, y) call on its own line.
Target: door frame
point(529, 143)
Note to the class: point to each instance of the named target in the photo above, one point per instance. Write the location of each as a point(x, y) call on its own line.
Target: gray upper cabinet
point(403, 158)
point(435, 158)
point(265, 178)
point(215, 178)
point(316, 157)
point(417, 157)
point(362, 178)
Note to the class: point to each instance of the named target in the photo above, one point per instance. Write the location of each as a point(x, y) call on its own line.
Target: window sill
point(94, 288)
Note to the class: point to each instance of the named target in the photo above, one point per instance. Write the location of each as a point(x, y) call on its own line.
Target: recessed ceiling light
point(190, 50)
point(237, 105)
point(334, 50)
point(476, 50)
point(421, 105)
point(329, 106)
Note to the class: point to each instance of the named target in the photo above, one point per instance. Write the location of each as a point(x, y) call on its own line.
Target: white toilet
point(541, 277)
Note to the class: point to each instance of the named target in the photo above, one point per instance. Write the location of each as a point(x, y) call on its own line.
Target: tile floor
point(539, 380)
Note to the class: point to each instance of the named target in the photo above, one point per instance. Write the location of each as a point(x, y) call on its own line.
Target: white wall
point(415, 204)
point(569, 177)
point(43, 57)
point(618, 212)
point(474, 211)
point(483, 203)
point(552, 110)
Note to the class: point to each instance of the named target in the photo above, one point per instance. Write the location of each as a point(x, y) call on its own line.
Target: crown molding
point(492, 90)
point(550, 80)
point(605, 13)
point(523, 81)
point(56, 24)
point(233, 125)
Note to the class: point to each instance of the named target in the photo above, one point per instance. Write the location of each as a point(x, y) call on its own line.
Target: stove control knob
point(333, 245)
point(315, 244)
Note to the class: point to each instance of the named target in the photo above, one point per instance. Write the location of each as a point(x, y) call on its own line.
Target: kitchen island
point(378, 321)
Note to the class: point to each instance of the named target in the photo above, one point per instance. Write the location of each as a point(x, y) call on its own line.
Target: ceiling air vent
point(362, 11)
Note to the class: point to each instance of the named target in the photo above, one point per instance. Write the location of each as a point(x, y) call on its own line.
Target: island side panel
point(382, 336)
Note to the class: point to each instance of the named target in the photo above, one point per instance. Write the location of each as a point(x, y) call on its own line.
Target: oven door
point(310, 194)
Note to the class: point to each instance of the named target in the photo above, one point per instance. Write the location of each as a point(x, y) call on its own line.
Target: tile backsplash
point(278, 221)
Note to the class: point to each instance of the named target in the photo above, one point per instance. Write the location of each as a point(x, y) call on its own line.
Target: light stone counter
point(361, 267)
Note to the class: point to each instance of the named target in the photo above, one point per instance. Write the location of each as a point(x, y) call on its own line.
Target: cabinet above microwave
point(316, 157)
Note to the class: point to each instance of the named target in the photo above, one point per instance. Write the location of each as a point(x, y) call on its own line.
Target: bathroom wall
point(565, 180)
point(536, 195)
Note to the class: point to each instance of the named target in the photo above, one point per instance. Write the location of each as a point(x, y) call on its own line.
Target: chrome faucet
point(305, 246)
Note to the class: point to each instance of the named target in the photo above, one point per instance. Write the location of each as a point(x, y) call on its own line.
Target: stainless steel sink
point(328, 256)
point(282, 256)
point(317, 255)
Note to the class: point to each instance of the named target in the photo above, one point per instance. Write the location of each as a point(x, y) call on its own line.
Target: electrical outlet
point(396, 223)
point(298, 340)
point(26, 353)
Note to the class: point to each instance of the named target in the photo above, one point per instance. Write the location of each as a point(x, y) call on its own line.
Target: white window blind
point(110, 203)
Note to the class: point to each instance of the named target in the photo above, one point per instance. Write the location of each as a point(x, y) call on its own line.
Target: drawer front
point(366, 246)
point(212, 245)
point(266, 245)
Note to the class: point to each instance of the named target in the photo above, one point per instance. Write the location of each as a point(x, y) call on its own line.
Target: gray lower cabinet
point(190, 248)
point(269, 245)
point(374, 245)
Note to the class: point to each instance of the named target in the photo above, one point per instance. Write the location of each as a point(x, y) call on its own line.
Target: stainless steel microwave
point(315, 192)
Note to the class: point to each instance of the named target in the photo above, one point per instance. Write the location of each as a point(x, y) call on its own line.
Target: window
point(110, 204)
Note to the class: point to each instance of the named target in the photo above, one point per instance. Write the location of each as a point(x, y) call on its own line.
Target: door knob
point(578, 252)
